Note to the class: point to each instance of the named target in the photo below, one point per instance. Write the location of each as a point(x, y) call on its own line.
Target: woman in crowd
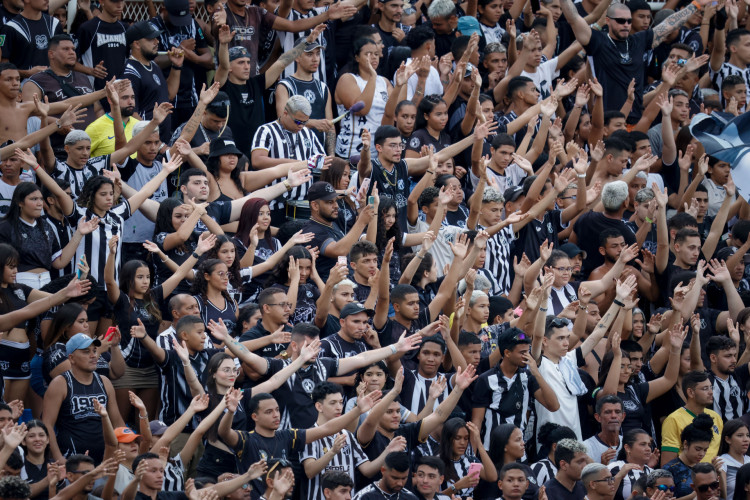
point(210, 290)
point(432, 117)
point(506, 446)
point(548, 436)
point(635, 459)
point(695, 439)
point(36, 457)
point(735, 440)
point(461, 446)
point(338, 175)
point(297, 272)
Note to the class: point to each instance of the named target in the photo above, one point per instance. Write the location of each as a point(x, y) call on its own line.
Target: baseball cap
point(309, 47)
point(468, 25)
point(219, 105)
point(221, 146)
point(126, 435)
point(355, 308)
point(179, 12)
point(321, 190)
point(238, 52)
point(512, 337)
point(571, 250)
point(141, 30)
point(80, 341)
point(512, 193)
point(157, 427)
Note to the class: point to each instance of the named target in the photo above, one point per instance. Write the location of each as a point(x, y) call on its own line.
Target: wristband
point(543, 309)
point(141, 416)
point(287, 186)
point(720, 19)
point(196, 255)
point(696, 4)
point(618, 303)
point(581, 176)
point(179, 68)
point(35, 168)
point(420, 257)
point(393, 349)
point(649, 220)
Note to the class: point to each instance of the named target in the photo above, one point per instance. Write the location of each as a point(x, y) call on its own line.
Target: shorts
point(101, 307)
point(14, 360)
point(138, 378)
point(34, 280)
point(216, 462)
point(37, 378)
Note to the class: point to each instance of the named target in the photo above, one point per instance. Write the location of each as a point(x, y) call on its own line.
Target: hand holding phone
point(343, 261)
point(474, 470)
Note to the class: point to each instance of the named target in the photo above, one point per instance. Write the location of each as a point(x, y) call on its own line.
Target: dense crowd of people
point(506, 270)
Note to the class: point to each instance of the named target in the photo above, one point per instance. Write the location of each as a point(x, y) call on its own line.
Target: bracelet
point(431, 172)
point(35, 168)
point(59, 126)
point(178, 68)
point(581, 176)
point(696, 4)
point(418, 92)
point(195, 254)
point(618, 303)
point(583, 308)
point(420, 257)
point(287, 185)
point(543, 309)
point(649, 220)
point(141, 416)
point(393, 349)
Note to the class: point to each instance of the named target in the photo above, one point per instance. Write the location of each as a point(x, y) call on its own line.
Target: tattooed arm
point(580, 27)
point(288, 58)
point(674, 22)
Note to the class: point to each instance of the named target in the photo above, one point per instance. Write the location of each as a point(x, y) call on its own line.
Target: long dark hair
point(606, 366)
point(425, 266)
point(426, 106)
point(499, 437)
point(214, 398)
point(447, 435)
point(628, 439)
point(353, 66)
point(382, 237)
point(280, 274)
point(740, 482)
point(22, 191)
point(234, 271)
point(214, 165)
point(164, 220)
point(38, 423)
point(200, 285)
point(379, 364)
point(333, 174)
point(249, 218)
point(127, 277)
point(730, 428)
point(8, 257)
point(65, 316)
point(89, 190)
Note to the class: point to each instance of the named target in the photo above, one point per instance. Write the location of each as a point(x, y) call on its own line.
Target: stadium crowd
point(380, 250)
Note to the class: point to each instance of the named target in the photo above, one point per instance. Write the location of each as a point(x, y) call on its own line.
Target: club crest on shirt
point(263, 454)
point(308, 385)
point(549, 228)
point(414, 142)
point(2, 40)
point(41, 42)
point(400, 184)
point(309, 95)
point(156, 79)
point(307, 143)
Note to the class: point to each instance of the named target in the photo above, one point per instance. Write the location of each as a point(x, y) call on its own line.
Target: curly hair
point(200, 285)
point(234, 270)
point(89, 190)
point(14, 488)
point(280, 274)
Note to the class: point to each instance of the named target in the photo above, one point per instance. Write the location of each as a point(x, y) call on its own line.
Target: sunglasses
point(664, 487)
point(705, 487)
point(520, 336)
point(299, 123)
point(622, 20)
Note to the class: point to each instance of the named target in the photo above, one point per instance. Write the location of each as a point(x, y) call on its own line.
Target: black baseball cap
point(220, 147)
point(179, 12)
point(219, 105)
point(512, 193)
point(572, 250)
point(322, 190)
point(355, 308)
point(141, 30)
point(512, 337)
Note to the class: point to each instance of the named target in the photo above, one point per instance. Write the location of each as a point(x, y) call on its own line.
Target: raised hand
point(87, 227)
point(180, 348)
point(205, 243)
point(137, 403)
point(27, 157)
point(366, 403)
point(200, 403)
point(161, 111)
point(218, 330)
point(464, 378)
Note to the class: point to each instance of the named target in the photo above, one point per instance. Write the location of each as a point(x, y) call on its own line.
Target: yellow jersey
point(677, 421)
point(102, 133)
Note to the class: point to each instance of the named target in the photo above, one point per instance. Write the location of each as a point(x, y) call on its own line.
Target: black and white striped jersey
point(347, 460)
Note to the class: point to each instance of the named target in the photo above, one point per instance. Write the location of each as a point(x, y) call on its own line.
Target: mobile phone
point(371, 200)
point(364, 187)
point(534, 5)
point(343, 261)
point(79, 273)
point(475, 469)
point(113, 329)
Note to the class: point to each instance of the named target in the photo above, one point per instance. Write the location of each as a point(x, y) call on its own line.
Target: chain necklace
point(624, 57)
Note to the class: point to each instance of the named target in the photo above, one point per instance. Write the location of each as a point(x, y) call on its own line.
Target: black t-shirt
point(259, 331)
point(531, 236)
point(588, 227)
point(100, 41)
point(394, 184)
point(252, 447)
point(617, 63)
point(324, 236)
point(380, 442)
point(37, 246)
point(247, 110)
point(150, 87)
point(422, 137)
point(136, 355)
point(25, 41)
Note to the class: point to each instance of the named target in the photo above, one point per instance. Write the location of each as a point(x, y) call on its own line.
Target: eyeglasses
point(664, 487)
point(622, 20)
point(705, 487)
point(234, 371)
point(559, 322)
point(221, 274)
point(399, 146)
point(564, 269)
point(608, 480)
point(283, 304)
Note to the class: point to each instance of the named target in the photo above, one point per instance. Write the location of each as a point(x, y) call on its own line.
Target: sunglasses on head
point(520, 336)
point(559, 322)
point(711, 486)
point(622, 20)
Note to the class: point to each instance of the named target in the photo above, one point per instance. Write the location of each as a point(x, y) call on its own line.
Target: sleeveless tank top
point(316, 94)
point(348, 141)
point(79, 427)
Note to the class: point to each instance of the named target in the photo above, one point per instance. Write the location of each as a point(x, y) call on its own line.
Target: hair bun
point(703, 422)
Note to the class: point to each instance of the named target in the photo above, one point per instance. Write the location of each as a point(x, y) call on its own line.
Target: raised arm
point(580, 27)
point(673, 22)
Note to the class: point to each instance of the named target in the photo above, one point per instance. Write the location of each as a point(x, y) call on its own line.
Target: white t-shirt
point(543, 77)
point(433, 85)
point(567, 414)
point(514, 176)
point(731, 466)
point(441, 250)
point(596, 448)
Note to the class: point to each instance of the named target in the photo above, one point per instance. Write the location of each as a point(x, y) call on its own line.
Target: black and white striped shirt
point(62, 231)
point(730, 400)
point(373, 492)
point(461, 466)
point(506, 400)
point(95, 244)
point(288, 39)
point(77, 178)
point(497, 262)
point(544, 470)
point(347, 460)
point(717, 77)
point(334, 346)
point(280, 143)
point(416, 389)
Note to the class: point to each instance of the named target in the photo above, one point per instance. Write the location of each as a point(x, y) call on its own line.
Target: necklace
point(624, 57)
point(386, 173)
